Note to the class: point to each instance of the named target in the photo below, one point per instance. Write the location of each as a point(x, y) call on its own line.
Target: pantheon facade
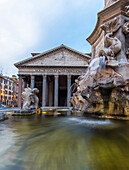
point(53, 72)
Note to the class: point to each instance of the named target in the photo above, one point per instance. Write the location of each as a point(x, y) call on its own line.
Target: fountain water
point(95, 65)
point(72, 90)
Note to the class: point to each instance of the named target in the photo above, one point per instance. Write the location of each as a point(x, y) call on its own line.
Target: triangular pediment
point(60, 56)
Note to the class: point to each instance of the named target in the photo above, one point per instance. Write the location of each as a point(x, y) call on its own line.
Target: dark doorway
point(62, 98)
point(38, 84)
point(50, 94)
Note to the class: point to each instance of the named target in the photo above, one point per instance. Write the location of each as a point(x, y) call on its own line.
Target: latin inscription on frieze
point(57, 71)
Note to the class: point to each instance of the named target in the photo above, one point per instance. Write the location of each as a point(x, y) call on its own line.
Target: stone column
point(50, 93)
point(44, 91)
point(20, 91)
point(68, 90)
point(32, 81)
point(56, 91)
point(47, 92)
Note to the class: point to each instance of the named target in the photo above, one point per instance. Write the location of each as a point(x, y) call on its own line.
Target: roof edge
point(50, 51)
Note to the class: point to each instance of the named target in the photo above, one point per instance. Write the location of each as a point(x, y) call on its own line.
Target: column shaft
point(32, 81)
point(44, 91)
point(50, 93)
point(20, 91)
point(56, 91)
point(68, 90)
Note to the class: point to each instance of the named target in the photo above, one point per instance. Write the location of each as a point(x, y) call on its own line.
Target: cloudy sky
point(38, 25)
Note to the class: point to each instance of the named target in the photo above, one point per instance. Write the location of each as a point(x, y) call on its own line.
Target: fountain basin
point(63, 143)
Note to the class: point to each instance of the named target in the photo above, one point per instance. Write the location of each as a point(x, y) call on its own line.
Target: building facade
point(53, 72)
point(8, 91)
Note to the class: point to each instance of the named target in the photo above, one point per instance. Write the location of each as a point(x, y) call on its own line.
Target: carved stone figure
point(112, 45)
point(78, 102)
point(35, 102)
point(126, 28)
point(26, 96)
point(30, 99)
point(92, 96)
point(94, 89)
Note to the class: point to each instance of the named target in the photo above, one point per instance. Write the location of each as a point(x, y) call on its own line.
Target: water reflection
point(65, 143)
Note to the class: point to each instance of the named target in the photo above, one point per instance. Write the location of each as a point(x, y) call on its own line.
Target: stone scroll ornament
point(126, 25)
point(127, 10)
point(126, 28)
point(112, 45)
point(30, 99)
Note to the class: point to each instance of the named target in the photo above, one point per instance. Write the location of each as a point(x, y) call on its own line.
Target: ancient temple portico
point(52, 72)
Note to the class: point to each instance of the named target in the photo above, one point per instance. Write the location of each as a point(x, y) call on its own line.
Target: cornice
point(47, 67)
point(96, 30)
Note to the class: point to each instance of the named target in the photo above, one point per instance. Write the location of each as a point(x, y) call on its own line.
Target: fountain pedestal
point(104, 89)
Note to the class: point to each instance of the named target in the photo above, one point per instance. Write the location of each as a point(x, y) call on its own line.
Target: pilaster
point(20, 92)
